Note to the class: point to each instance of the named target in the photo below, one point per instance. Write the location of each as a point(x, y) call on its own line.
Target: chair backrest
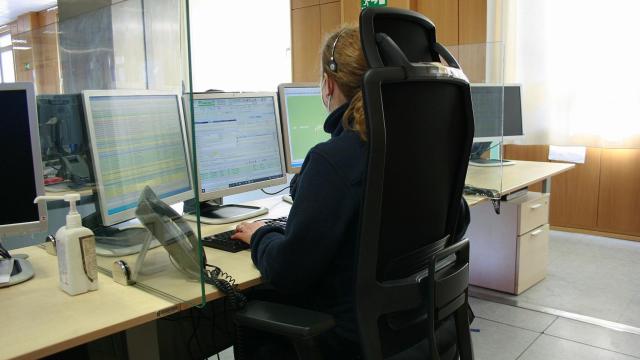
point(420, 131)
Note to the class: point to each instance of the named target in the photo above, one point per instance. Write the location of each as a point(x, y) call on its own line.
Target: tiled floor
point(503, 332)
point(507, 332)
point(590, 275)
point(593, 276)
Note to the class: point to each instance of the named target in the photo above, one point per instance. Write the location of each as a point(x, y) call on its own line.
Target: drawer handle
point(537, 232)
point(533, 207)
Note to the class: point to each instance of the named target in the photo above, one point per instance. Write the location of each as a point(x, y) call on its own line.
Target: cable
point(275, 193)
point(240, 345)
point(226, 284)
point(490, 193)
point(213, 325)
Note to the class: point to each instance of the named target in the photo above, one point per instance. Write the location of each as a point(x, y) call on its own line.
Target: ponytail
point(354, 116)
point(348, 71)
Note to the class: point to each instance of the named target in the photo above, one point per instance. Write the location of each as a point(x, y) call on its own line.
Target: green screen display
point(306, 116)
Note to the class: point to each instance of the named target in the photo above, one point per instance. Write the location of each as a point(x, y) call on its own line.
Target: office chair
point(412, 270)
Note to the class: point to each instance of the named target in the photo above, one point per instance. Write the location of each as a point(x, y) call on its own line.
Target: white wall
point(240, 45)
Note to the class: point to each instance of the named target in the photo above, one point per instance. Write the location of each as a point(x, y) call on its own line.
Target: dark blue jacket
point(314, 257)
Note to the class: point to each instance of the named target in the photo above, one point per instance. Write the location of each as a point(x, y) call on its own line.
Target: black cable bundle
point(275, 193)
point(227, 284)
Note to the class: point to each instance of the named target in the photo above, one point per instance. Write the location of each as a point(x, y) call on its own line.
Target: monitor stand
point(21, 272)
point(287, 198)
point(211, 212)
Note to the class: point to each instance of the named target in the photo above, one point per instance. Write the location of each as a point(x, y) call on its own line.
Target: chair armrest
point(284, 320)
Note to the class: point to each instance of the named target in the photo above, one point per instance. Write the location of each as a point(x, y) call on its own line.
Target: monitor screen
point(20, 160)
point(303, 116)
point(137, 139)
point(62, 125)
point(238, 143)
point(489, 107)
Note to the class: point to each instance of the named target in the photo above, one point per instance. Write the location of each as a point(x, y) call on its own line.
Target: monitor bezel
point(101, 203)
point(502, 136)
point(42, 223)
point(213, 195)
point(285, 122)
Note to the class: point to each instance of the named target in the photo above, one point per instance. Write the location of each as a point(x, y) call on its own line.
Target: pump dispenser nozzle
point(73, 218)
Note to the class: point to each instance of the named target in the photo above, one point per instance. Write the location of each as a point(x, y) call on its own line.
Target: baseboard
point(597, 233)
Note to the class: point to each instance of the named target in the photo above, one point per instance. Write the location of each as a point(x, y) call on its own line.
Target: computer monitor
point(63, 136)
point(497, 111)
point(62, 124)
point(303, 116)
point(239, 148)
point(137, 139)
point(22, 169)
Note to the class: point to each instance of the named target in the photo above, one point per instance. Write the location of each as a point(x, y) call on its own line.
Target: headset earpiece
point(333, 65)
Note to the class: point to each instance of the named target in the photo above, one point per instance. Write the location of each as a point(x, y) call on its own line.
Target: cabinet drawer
point(533, 212)
point(533, 258)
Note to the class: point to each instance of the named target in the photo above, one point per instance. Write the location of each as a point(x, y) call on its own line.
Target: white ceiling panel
point(11, 9)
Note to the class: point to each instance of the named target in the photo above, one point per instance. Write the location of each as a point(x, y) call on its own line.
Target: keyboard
point(281, 221)
point(223, 241)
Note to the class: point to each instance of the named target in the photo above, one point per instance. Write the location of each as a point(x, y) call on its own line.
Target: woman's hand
point(245, 230)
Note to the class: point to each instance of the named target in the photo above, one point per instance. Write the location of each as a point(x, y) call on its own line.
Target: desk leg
point(546, 185)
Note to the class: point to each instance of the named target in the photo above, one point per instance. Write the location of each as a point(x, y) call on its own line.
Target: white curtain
point(579, 64)
point(240, 45)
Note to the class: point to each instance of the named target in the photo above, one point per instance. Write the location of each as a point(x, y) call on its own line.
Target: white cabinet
point(510, 251)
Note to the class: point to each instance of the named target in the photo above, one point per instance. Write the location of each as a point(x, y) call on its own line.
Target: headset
point(333, 65)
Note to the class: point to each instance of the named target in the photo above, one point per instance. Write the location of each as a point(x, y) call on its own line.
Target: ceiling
point(11, 9)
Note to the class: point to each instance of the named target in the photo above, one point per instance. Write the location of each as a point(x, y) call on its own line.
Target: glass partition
point(483, 65)
point(110, 78)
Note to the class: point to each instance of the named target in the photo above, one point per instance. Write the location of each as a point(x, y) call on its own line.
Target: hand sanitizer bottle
point(76, 248)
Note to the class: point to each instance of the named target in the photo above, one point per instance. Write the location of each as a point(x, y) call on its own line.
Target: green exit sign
point(372, 3)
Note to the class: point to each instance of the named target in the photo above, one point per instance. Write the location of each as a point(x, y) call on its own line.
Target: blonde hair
point(351, 67)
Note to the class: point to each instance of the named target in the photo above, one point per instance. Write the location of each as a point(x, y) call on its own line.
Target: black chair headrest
point(402, 38)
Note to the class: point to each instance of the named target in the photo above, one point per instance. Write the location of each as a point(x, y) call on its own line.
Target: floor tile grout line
point(607, 324)
point(553, 322)
point(529, 346)
point(511, 325)
point(493, 299)
point(590, 345)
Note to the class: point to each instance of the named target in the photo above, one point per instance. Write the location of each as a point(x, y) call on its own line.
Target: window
point(5, 40)
point(240, 45)
point(7, 70)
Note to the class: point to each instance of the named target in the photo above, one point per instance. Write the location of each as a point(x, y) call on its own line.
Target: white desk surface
point(39, 319)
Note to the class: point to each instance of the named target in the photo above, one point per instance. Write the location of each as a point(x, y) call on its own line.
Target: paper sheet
point(6, 266)
point(573, 154)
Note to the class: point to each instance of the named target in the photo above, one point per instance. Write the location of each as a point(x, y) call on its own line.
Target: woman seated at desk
point(311, 264)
